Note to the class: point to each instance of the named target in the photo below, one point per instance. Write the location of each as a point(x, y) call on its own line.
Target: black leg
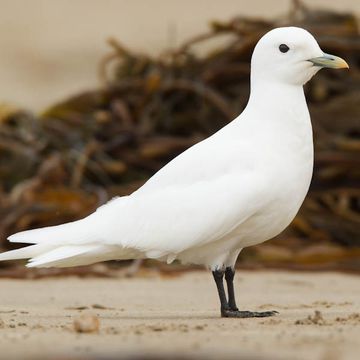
point(218, 277)
point(229, 309)
point(229, 277)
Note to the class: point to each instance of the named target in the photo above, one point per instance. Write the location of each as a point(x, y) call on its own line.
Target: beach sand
point(159, 315)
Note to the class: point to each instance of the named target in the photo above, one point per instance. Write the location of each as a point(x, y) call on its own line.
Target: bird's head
point(290, 55)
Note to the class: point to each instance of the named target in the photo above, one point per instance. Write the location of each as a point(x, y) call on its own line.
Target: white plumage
point(239, 187)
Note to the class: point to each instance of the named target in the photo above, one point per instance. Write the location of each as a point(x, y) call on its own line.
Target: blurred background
point(50, 49)
point(96, 96)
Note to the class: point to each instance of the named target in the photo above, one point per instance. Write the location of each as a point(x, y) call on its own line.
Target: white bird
point(239, 187)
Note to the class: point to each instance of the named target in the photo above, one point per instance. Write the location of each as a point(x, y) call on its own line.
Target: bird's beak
point(329, 61)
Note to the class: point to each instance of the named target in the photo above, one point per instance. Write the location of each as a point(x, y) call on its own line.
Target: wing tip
point(17, 238)
point(26, 236)
point(12, 237)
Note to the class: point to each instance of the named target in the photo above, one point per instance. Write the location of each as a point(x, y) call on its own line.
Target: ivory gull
point(239, 187)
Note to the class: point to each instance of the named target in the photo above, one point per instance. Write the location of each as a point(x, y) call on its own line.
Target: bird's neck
point(274, 106)
point(270, 96)
point(276, 115)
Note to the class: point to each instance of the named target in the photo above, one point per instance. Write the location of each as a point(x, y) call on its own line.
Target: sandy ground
point(157, 315)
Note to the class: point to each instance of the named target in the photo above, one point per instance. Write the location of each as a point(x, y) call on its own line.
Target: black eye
point(284, 48)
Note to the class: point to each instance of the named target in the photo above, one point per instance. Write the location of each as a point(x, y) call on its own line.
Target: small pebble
point(86, 323)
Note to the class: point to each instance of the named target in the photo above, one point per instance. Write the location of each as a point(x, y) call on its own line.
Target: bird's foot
point(246, 314)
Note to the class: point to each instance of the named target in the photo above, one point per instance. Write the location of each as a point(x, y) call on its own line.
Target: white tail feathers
point(47, 255)
point(71, 244)
point(25, 253)
point(70, 255)
point(77, 231)
point(57, 245)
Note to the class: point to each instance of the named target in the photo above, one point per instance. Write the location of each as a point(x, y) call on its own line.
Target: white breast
point(287, 156)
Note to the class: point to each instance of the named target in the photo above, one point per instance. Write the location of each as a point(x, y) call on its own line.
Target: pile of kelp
point(60, 165)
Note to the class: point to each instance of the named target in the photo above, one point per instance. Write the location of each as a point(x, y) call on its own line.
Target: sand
point(157, 315)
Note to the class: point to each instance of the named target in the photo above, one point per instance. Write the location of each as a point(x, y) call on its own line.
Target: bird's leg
point(229, 308)
point(218, 277)
point(229, 277)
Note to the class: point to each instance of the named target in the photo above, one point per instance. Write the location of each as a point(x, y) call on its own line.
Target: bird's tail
point(70, 244)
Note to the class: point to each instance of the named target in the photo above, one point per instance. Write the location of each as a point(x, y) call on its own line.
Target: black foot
point(246, 314)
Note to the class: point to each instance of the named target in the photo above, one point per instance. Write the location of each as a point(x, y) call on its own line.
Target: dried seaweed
point(60, 165)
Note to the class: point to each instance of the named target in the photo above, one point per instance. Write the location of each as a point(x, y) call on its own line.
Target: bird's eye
point(284, 48)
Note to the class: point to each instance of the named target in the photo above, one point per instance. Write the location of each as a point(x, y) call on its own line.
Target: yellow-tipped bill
point(330, 61)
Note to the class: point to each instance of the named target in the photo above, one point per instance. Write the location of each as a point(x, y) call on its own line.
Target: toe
point(247, 314)
point(265, 313)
